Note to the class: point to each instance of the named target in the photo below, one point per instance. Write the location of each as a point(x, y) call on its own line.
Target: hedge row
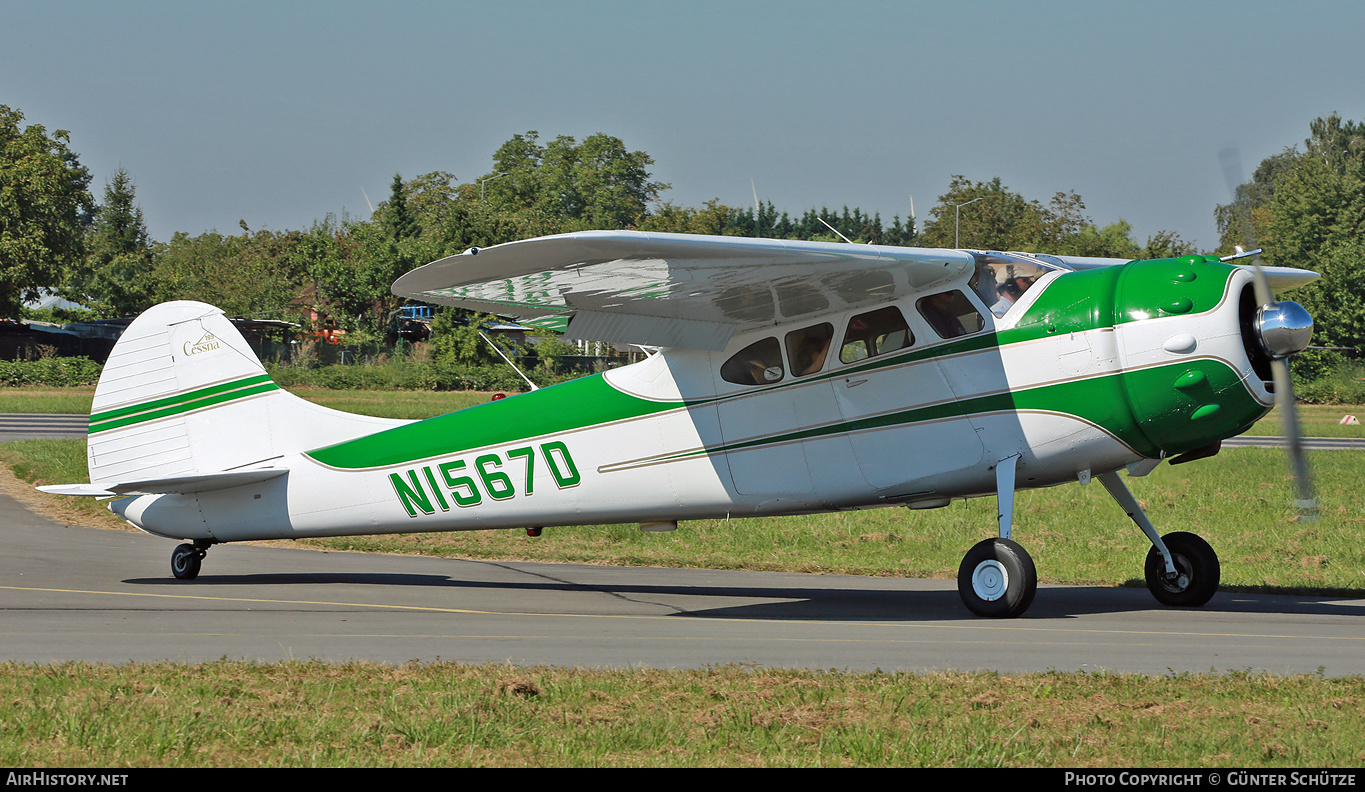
point(391, 375)
point(408, 375)
point(57, 372)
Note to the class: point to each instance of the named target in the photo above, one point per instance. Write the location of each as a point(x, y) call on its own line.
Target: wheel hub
point(990, 580)
point(1179, 581)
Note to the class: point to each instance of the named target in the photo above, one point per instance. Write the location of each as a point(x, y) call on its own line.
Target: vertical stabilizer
point(183, 394)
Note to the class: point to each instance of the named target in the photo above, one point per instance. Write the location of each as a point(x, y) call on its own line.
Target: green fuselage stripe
point(560, 408)
point(181, 403)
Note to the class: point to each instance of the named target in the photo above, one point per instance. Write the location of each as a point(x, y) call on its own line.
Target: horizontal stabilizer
point(179, 485)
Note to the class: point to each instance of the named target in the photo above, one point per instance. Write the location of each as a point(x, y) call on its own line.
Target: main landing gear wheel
point(1197, 571)
point(186, 560)
point(997, 579)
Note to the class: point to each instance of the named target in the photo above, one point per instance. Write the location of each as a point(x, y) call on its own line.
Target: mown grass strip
point(311, 714)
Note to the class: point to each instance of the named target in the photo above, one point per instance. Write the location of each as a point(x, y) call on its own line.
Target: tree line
point(1304, 207)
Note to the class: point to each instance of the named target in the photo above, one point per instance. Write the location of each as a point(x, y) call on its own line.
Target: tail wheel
point(1196, 567)
point(185, 561)
point(997, 579)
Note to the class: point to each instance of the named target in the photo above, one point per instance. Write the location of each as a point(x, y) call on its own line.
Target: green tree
point(996, 219)
point(117, 277)
point(1112, 241)
point(430, 198)
point(45, 204)
point(457, 336)
point(1166, 244)
point(1307, 209)
point(710, 220)
point(593, 184)
point(351, 266)
point(259, 273)
point(399, 220)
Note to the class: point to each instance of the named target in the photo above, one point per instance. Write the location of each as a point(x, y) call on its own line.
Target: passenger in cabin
point(817, 358)
point(937, 309)
point(810, 349)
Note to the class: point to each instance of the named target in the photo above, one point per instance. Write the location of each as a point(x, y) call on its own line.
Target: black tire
point(185, 561)
point(1197, 565)
point(997, 579)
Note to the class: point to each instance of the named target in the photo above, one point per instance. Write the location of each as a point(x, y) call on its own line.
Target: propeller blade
point(1306, 502)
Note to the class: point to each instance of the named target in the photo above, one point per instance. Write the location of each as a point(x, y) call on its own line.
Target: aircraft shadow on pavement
point(794, 603)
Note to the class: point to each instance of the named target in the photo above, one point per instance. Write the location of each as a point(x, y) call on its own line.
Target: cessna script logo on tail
point(206, 343)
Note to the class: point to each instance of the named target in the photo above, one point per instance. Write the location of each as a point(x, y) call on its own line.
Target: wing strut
point(509, 361)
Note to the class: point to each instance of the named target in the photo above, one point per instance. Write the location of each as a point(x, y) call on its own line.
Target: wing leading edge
point(678, 290)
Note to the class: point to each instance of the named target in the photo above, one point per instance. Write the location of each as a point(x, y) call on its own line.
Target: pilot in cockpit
point(1008, 292)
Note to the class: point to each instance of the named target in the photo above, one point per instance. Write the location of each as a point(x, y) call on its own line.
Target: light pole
point(499, 176)
point(957, 220)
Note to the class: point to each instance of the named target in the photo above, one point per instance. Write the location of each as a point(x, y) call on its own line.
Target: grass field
point(297, 714)
point(315, 714)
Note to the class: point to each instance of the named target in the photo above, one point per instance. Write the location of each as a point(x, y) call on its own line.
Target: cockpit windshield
point(1002, 278)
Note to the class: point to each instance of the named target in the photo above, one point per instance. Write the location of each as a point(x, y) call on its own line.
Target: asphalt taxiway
point(69, 592)
point(73, 593)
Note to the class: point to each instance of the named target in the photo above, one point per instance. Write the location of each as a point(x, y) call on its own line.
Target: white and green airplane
point(783, 378)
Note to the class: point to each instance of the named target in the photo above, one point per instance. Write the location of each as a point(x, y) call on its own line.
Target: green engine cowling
point(1191, 371)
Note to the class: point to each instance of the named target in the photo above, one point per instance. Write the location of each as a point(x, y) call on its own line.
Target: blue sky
point(279, 113)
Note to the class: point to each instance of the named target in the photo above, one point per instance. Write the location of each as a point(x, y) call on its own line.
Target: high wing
point(674, 290)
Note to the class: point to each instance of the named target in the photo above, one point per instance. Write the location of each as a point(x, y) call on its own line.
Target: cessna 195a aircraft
point(784, 378)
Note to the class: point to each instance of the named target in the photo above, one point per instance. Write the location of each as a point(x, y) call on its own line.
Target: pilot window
point(808, 347)
point(1001, 279)
point(875, 333)
point(759, 363)
point(950, 313)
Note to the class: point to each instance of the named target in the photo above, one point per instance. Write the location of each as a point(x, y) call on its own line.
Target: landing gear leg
point(187, 558)
point(997, 577)
point(1181, 569)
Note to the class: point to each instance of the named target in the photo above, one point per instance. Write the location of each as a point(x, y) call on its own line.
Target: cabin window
point(759, 363)
point(875, 333)
point(808, 347)
point(1002, 278)
point(950, 313)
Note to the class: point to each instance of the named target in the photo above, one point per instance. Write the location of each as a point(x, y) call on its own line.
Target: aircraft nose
point(1283, 328)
